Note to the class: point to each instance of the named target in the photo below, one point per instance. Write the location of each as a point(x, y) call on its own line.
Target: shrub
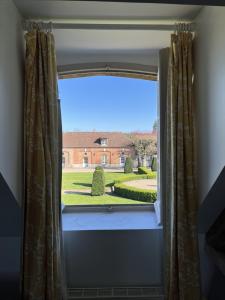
point(130, 177)
point(98, 183)
point(134, 193)
point(128, 167)
point(99, 168)
point(154, 164)
point(144, 170)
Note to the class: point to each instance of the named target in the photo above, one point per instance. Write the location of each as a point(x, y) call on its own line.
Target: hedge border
point(149, 196)
point(144, 170)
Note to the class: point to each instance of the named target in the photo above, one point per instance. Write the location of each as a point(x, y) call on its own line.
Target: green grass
point(76, 199)
point(82, 181)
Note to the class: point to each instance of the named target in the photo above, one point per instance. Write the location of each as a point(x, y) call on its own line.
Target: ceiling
point(82, 46)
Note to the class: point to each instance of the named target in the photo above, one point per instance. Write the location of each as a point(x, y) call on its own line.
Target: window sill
point(78, 218)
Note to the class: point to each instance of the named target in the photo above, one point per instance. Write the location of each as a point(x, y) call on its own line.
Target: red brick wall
point(94, 155)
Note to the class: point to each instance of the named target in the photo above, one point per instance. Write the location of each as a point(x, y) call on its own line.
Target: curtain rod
point(100, 26)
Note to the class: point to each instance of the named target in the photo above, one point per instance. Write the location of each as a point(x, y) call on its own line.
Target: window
point(104, 123)
point(103, 141)
point(104, 159)
point(122, 160)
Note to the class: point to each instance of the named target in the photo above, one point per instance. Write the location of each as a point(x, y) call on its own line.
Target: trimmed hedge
point(98, 183)
point(128, 167)
point(144, 170)
point(130, 178)
point(129, 192)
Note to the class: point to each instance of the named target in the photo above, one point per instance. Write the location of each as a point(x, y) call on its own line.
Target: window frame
point(128, 70)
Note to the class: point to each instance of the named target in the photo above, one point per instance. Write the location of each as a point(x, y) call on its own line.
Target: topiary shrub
point(99, 168)
point(128, 167)
point(98, 183)
point(154, 164)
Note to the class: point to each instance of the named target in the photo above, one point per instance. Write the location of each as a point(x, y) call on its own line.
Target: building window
point(63, 161)
point(104, 159)
point(122, 160)
point(103, 142)
point(85, 162)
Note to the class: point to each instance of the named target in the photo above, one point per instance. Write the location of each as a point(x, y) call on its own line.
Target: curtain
point(180, 205)
point(42, 272)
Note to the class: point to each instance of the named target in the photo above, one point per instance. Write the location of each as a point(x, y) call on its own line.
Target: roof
point(92, 139)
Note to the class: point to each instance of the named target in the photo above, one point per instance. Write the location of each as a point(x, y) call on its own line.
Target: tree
point(155, 126)
point(128, 167)
point(144, 148)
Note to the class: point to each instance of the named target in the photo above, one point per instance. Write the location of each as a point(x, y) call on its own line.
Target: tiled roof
point(92, 139)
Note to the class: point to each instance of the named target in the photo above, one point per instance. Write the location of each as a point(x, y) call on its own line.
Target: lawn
point(82, 181)
point(76, 199)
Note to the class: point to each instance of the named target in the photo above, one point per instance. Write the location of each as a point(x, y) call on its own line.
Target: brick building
point(89, 149)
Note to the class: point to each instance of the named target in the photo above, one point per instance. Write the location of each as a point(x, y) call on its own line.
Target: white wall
point(210, 95)
point(210, 100)
point(11, 96)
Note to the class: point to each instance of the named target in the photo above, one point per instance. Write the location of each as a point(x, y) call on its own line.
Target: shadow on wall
point(211, 228)
point(10, 241)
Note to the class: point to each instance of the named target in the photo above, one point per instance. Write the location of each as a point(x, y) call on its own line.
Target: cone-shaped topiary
point(99, 168)
point(98, 183)
point(154, 164)
point(128, 167)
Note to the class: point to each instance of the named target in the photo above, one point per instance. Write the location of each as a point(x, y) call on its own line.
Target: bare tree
point(143, 148)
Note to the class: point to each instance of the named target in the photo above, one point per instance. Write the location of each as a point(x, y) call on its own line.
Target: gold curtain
point(180, 205)
point(42, 274)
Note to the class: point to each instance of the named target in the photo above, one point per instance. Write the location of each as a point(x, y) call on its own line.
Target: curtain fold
point(42, 273)
point(180, 205)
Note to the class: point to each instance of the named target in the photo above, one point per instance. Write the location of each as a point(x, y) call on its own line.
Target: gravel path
point(147, 184)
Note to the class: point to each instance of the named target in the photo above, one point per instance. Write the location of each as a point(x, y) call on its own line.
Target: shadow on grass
point(77, 193)
point(82, 184)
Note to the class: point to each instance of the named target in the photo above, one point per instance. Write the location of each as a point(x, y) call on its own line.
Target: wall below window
point(110, 248)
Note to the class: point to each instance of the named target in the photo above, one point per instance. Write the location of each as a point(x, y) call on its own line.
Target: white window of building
point(103, 142)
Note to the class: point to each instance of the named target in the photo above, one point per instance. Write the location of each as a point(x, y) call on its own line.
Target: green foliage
point(144, 170)
point(128, 167)
point(154, 164)
point(98, 183)
point(130, 177)
point(99, 168)
point(134, 193)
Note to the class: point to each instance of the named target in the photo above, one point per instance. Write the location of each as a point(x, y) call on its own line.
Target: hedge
point(149, 196)
point(98, 183)
point(130, 178)
point(144, 170)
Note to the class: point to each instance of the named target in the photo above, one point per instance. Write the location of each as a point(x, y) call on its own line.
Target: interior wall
point(11, 95)
point(210, 101)
point(210, 95)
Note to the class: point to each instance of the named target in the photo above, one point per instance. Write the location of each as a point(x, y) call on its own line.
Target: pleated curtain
point(42, 267)
point(180, 201)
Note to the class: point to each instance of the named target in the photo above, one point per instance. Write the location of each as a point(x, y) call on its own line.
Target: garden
point(102, 187)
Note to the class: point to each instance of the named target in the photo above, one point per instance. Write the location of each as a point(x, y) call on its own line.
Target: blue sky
point(105, 103)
